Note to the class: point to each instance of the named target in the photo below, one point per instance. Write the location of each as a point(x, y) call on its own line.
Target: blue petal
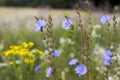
point(73, 62)
point(37, 68)
point(67, 23)
point(40, 24)
point(104, 19)
point(81, 69)
point(37, 29)
point(49, 72)
point(56, 53)
point(108, 52)
point(108, 62)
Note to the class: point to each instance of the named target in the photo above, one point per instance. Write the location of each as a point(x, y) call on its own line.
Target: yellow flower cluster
point(24, 51)
point(29, 61)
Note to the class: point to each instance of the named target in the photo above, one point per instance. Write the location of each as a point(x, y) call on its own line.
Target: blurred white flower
point(94, 34)
point(113, 77)
point(46, 52)
point(33, 51)
point(62, 40)
point(97, 68)
point(72, 55)
point(97, 26)
point(17, 62)
point(98, 49)
point(65, 40)
point(69, 40)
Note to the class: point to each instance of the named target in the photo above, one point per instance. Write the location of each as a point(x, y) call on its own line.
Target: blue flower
point(49, 72)
point(56, 53)
point(81, 69)
point(40, 24)
point(67, 23)
point(108, 53)
point(104, 19)
point(37, 68)
point(73, 62)
point(107, 62)
point(107, 57)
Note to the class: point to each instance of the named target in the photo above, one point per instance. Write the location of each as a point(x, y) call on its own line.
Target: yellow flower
point(15, 52)
point(8, 52)
point(11, 62)
point(40, 52)
point(30, 54)
point(25, 45)
point(15, 47)
point(31, 44)
point(28, 61)
point(32, 62)
point(23, 52)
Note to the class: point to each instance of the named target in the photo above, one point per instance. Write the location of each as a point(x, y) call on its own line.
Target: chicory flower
point(49, 72)
point(56, 53)
point(40, 24)
point(81, 69)
point(73, 62)
point(104, 19)
point(67, 23)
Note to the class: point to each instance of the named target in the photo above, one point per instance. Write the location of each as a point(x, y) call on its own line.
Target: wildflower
point(17, 62)
point(49, 72)
point(38, 67)
point(56, 53)
point(33, 51)
point(15, 47)
point(11, 62)
point(73, 62)
point(31, 44)
point(107, 53)
point(67, 23)
point(25, 44)
point(23, 52)
point(40, 24)
point(81, 69)
point(26, 60)
point(29, 61)
point(29, 54)
point(39, 52)
point(104, 19)
point(7, 53)
point(107, 57)
point(107, 62)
